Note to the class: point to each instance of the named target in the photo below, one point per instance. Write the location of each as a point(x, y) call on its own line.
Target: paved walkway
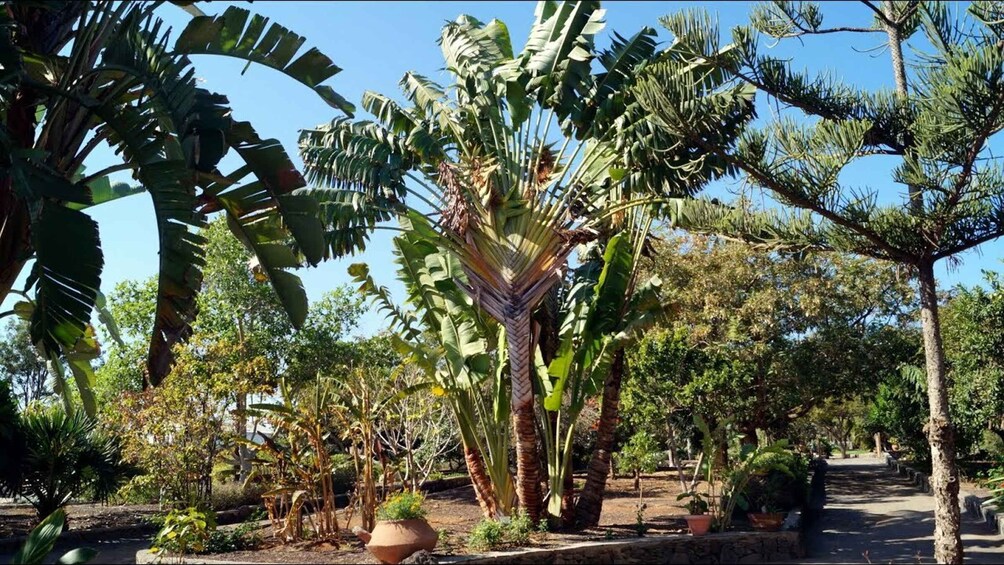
point(873, 515)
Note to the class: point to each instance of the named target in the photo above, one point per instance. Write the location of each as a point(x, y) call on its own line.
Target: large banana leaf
point(238, 33)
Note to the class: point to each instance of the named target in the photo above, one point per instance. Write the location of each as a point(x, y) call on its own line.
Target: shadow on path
point(873, 515)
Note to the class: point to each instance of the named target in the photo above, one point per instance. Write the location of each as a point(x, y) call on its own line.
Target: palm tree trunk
point(482, 483)
point(523, 420)
point(590, 504)
point(940, 435)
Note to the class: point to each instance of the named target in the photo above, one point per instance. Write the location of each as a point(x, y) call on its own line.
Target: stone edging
point(682, 549)
point(981, 507)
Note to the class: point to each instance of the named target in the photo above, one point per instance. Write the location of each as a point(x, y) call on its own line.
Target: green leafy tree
point(974, 344)
point(82, 74)
point(763, 337)
point(938, 123)
point(641, 454)
point(604, 309)
point(898, 410)
point(176, 433)
point(22, 366)
point(132, 304)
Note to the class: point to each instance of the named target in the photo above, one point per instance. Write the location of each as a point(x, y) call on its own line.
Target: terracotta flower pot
point(768, 522)
point(699, 524)
point(393, 541)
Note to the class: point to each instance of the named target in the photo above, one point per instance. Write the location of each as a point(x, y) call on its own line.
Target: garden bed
point(18, 520)
point(455, 512)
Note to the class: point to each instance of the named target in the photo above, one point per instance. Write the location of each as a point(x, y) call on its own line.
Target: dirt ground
point(455, 512)
point(17, 520)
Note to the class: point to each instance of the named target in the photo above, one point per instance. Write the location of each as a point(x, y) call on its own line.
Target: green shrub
point(64, 457)
point(402, 506)
point(992, 443)
point(184, 531)
point(11, 441)
point(245, 536)
point(141, 489)
point(492, 535)
point(343, 473)
point(230, 495)
point(641, 454)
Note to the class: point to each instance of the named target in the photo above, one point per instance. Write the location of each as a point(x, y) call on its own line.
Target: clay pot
point(393, 541)
point(699, 524)
point(768, 522)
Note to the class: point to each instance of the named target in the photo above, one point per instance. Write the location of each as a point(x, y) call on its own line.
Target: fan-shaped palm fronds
point(524, 157)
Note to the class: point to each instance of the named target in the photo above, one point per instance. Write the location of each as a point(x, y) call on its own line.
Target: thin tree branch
point(878, 11)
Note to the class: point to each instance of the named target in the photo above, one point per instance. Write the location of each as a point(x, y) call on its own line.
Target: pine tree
point(939, 121)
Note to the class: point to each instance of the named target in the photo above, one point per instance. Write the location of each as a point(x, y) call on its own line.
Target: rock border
point(981, 507)
point(680, 549)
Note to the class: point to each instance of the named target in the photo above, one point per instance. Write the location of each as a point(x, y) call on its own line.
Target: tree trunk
point(637, 480)
point(241, 430)
point(878, 444)
point(523, 418)
point(590, 504)
point(940, 434)
point(483, 489)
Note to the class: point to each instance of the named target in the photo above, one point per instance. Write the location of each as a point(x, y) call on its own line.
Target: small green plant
point(608, 534)
point(491, 535)
point(640, 455)
point(402, 506)
point(447, 544)
point(543, 527)
point(640, 527)
point(244, 536)
point(697, 505)
point(43, 538)
point(487, 535)
point(185, 531)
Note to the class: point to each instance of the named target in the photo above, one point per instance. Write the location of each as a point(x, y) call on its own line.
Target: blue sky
point(375, 43)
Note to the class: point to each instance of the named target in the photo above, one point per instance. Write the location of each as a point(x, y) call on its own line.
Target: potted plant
point(699, 521)
point(769, 518)
point(401, 529)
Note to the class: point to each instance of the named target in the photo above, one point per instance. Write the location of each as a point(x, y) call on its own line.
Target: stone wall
point(920, 480)
point(981, 507)
point(730, 547)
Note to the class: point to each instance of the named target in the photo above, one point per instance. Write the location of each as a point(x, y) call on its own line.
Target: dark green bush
point(343, 473)
point(244, 536)
point(65, 456)
point(11, 441)
point(230, 495)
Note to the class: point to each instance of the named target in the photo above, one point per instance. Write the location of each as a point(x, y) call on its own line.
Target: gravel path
point(873, 515)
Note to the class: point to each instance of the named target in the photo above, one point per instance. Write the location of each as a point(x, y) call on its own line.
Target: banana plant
point(297, 460)
point(77, 75)
point(453, 341)
point(603, 313)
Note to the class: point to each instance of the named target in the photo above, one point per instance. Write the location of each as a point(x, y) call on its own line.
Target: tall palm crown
point(523, 157)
